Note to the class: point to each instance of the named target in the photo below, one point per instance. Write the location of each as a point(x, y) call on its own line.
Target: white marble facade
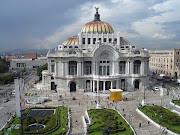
point(97, 59)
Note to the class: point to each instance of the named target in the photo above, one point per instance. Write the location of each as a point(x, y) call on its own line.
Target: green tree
point(3, 66)
point(40, 69)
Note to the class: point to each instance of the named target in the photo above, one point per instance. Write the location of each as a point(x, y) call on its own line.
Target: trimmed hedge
point(163, 116)
point(177, 102)
point(53, 122)
point(104, 118)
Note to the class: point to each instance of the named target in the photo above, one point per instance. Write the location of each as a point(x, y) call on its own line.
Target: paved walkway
point(87, 101)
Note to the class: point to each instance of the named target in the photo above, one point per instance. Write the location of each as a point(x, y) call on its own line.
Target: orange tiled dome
point(71, 41)
point(97, 27)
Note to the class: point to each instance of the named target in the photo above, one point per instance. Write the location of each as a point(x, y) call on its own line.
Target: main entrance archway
point(73, 87)
point(136, 84)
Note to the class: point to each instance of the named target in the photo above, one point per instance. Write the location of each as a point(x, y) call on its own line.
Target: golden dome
point(97, 26)
point(71, 41)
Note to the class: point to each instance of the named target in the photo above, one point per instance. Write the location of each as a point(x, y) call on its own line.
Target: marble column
point(131, 67)
point(127, 67)
point(79, 69)
point(56, 68)
point(111, 84)
point(116, 67)
point(104, 86)
point(117, 84)
point(49, 67)
point(93, 86)
point(93, 68)
point(66, 69)
point(97, 86)
point(142, 68)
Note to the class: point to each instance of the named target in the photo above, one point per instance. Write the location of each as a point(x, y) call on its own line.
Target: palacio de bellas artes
point(95, 60)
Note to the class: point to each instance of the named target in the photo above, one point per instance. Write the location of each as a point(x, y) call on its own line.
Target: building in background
point(20, 96)
point(165, 62)
point(97, 59)
point(29, 61)
point(32, 56)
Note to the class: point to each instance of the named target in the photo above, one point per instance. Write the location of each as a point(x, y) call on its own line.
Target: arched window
point(72, 52)
point(104, 64)
point(137, 65)
point(72, 68)
point(137, 52)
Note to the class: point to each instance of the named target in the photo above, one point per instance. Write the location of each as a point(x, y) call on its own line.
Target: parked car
point(156, 89)
point(5, 100)
point(13, 92)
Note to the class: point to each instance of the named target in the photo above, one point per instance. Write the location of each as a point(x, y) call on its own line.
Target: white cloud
point(160, 36)
point(109, 13)
point(122, 12)
point(168, 12)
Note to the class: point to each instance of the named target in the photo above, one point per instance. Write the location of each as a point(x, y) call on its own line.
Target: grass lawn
point(177, 102)
point(57, 123)
point(163, 116)
point(101, 119)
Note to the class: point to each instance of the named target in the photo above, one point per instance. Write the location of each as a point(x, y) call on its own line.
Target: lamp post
point(144, 93)
point(129, 118)
point(23, 116)
point(98, 82)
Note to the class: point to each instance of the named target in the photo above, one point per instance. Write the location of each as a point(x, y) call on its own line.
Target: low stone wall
point(84, 125)
point(154, 123)
point(126, 122)
point(177, 106)
point(69, 123)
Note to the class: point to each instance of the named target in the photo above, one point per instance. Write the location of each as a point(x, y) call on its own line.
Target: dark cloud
point(26, 24)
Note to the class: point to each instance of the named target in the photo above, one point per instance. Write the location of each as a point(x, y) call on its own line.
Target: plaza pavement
point(86, 101)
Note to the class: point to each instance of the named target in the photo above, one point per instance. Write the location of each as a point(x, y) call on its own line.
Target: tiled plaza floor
point(86, 101)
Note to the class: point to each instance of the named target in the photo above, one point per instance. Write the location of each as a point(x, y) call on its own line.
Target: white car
point(13, 92)
point(156, 89)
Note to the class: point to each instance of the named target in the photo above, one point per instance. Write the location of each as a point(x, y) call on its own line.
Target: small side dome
point(71, 41)
point(124, 41)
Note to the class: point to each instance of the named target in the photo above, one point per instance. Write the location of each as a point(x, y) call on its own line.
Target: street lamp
point(23, 116)
point(129, 118)
point(144, 93)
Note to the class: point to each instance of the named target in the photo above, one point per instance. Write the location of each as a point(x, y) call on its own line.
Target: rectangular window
point(83, 41)
point(94, 40)
point(89, 41)
point(110, 40)
point(104, 70)
point(115, 40)
point(108, 70)
point(104, 39)
point(100, 70)
point(52, 68)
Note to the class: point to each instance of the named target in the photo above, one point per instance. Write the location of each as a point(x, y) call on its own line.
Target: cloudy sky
point(43, 24)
